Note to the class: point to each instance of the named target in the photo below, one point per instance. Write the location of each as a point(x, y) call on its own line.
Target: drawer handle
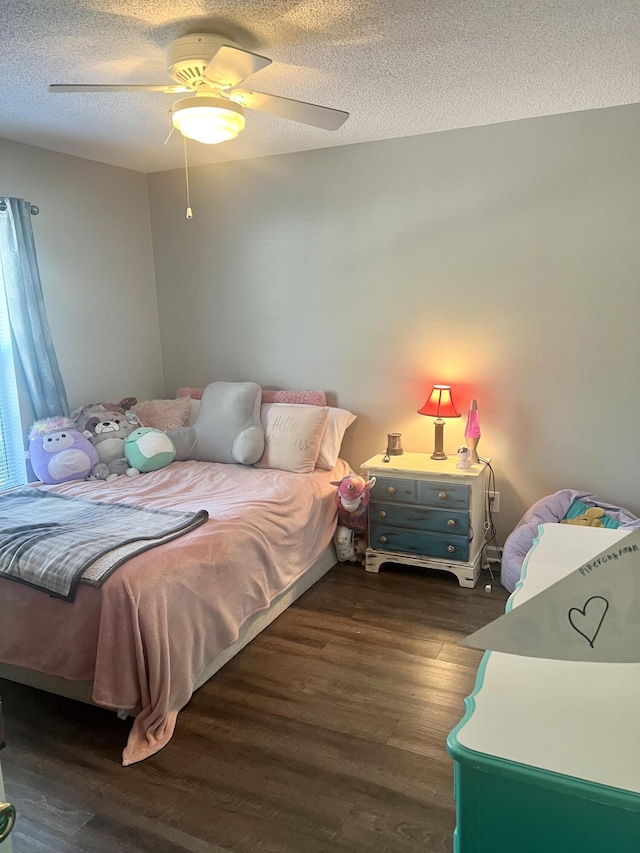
point(451, 522)
point(451, 548)
point(382, 514)
point(7, 819)
point(391, 490)
point(383, 539)
point(442, 495)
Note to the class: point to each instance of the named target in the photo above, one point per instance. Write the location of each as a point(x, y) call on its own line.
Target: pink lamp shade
point(440, 405)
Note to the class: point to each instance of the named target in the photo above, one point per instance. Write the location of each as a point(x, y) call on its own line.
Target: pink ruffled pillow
point(307, 398)
point(193, 393)
point(163, 414)
point(304, 398)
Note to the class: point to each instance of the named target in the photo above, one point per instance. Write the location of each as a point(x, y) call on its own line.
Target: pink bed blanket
point(148, 633)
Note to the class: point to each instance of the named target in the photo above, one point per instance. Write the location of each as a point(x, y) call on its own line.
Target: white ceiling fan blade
point(324, 117)
point(81, 87)
point(232, 65)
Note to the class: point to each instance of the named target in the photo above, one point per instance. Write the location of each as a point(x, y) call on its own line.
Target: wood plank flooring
point(325, 735)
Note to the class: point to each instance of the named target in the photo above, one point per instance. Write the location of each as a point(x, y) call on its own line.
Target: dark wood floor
point(327, 733)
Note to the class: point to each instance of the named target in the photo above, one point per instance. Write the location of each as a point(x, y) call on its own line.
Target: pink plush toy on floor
point(352, 498)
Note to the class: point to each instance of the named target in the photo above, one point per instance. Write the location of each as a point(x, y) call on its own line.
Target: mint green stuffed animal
point(149, 449)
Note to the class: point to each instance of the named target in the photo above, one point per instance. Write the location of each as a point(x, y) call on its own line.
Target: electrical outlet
point(494, 501)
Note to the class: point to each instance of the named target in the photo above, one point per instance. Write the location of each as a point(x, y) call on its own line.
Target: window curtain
point(27, 314)
point(12, 463)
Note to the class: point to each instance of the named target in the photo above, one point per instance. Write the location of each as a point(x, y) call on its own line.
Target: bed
point(169, 618)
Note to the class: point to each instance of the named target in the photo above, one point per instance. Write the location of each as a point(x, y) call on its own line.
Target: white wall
point(503, 259)
point(93, 239)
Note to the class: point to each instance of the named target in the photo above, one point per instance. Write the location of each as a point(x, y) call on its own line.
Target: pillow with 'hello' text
point(292, 436)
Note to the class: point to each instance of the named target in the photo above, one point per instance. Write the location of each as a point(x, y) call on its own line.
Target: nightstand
point(428, 513)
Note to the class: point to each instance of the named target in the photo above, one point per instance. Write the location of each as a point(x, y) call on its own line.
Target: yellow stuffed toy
point(591, 518)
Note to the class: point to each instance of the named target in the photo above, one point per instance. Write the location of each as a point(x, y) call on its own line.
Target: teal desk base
point(503, 807)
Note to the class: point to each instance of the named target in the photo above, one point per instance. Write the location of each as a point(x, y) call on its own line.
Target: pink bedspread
point(146, 635)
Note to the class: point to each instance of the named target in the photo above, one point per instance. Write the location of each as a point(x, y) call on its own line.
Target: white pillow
point(292, 436)
point(193, 411)
point(338, 422)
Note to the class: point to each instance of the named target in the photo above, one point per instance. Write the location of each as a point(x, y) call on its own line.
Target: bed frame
point(82, 691)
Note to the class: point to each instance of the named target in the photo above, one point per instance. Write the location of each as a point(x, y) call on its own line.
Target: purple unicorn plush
point(352, 499)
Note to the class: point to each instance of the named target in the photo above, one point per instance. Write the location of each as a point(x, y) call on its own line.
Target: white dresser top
point(574, 718)
point(409, 463)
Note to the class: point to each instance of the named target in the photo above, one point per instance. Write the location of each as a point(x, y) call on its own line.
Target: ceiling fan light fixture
point(208, 119)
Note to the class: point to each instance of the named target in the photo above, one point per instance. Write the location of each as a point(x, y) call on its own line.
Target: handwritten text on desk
point(606, 557)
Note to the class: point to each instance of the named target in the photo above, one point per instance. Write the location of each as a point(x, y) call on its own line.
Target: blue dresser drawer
point(385, 538)
point(421, 518)
point(395, 489)
point(400, 490)
point(453, 495)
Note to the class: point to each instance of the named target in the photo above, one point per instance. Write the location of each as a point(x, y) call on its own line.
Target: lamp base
point(472, 443)
point(439, 453)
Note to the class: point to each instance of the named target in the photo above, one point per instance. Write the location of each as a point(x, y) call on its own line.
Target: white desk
point(554, 744)
point(4, 827)
point(6, 844)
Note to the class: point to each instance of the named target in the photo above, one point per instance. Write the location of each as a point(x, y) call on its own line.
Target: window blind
point(12, 462)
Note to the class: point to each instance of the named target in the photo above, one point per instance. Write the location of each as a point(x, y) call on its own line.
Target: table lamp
point(441, 406)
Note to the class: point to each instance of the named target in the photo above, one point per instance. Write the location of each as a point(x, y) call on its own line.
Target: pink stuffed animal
point(352, 498)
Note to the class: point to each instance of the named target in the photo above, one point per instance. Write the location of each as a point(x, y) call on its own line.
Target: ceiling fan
point(209, 68)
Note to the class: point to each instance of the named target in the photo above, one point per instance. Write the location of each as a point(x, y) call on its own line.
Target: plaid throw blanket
point(52, 542)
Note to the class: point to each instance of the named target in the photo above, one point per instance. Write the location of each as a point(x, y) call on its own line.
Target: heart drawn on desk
point(588, 621)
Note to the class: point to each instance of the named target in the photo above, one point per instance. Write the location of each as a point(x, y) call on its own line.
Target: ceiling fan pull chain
point(186, 175)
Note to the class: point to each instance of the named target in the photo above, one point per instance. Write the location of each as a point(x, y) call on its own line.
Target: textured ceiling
point(399, 67)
